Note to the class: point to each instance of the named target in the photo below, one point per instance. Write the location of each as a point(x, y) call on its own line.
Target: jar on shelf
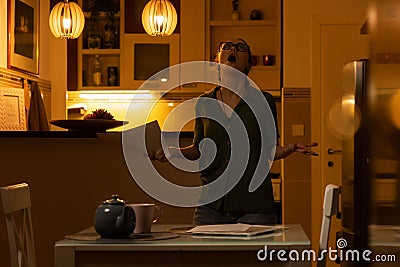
point(255, 14)
point(94, 36)
point(110, 31)
point(97, 72)
point(112, 76)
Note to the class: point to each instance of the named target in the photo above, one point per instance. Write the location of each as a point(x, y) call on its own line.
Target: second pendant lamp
point(159, 18)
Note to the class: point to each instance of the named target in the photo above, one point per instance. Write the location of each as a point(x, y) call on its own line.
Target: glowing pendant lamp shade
point(159, 18)
point(66, 20)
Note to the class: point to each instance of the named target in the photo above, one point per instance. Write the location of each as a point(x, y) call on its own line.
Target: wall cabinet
point(263, 35)
point(202, 24)
point(99, 45)
point(144, 55)
point(132, 57)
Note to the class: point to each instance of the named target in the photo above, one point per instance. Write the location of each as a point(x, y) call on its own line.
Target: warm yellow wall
point(296, 44)
point(3, 33)
point(297, 16)
point(52, 55)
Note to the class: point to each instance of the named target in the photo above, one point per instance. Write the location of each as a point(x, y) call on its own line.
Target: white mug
point(145, 217)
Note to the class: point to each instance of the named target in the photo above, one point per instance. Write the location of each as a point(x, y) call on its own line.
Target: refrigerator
point(370, 192)
point(355, 191)
point(384, 171)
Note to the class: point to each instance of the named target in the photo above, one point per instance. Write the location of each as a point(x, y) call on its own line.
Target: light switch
point(297, 129)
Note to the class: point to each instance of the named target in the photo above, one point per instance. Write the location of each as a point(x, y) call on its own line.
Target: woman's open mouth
point(232, 58)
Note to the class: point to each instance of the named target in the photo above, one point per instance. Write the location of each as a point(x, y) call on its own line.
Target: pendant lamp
point(66, 20)
point(159, 18)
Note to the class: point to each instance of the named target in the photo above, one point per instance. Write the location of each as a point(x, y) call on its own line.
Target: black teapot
point(114, 219)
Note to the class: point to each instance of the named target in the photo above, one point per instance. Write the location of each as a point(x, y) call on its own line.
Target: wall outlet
point(297, 129)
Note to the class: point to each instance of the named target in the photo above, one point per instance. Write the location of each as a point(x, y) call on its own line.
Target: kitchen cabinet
point(133, 57)
point(263, 35)
point(99, 45)
point(144, 55)
point(201, 26)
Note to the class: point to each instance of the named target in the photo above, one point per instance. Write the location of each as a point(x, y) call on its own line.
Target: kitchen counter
point(46, 134)
point(75, 134)
point(70, 174)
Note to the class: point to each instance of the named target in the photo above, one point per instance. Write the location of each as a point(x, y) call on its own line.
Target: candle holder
point(269, 60)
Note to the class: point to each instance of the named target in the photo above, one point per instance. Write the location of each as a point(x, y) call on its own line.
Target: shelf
point(103, 87)
point(250, 23)
point(101, 52)
point(263, 36)
point(274, 67)
point(110, 58)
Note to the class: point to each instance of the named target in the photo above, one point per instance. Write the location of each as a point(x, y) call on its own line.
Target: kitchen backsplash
point(134, 107)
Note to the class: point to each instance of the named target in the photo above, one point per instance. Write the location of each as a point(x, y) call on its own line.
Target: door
point(335, 42)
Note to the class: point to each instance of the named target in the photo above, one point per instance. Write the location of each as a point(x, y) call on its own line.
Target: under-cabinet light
point(139, 95)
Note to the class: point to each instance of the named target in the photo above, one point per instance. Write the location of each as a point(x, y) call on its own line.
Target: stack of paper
point(234, 229)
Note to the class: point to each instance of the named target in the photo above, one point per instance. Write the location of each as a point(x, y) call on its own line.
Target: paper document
point(150, 133)
point(234, 229)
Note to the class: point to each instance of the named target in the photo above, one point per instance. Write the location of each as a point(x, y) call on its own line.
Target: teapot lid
point(114, 200)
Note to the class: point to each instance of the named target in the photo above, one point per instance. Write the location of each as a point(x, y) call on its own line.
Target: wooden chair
point(330, 208)
point(17, 209)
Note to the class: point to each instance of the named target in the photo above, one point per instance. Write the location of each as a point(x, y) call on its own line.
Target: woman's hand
point(305, 148)
point(190, 152)
point(283, 152)
point(158, 155)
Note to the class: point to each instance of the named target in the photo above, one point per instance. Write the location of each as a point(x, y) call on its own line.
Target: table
point(185, 250)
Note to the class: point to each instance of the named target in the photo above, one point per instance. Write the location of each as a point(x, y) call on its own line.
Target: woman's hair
point(248, 52)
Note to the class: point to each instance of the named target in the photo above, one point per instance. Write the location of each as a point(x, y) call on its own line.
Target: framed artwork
point(23, 35)
point(12, 109)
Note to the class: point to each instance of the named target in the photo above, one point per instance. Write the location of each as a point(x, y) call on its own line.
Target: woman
point(217, 122)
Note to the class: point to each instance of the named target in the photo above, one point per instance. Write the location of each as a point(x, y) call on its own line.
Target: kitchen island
point(70, 174)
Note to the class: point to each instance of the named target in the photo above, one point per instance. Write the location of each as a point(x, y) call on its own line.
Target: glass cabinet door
point(99, 45)
point(144, 56)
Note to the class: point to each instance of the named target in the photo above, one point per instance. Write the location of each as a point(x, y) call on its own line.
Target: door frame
point(317, 172)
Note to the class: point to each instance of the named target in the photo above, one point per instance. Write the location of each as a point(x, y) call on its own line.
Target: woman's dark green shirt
point(239, 198)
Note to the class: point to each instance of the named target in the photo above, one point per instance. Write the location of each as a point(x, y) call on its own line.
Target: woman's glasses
point(228, 46)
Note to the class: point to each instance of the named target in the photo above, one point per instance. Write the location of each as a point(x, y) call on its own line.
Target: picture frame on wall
point(12, 109)
point(23, 35)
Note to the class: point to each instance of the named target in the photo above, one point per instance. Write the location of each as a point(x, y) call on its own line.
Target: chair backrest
point(330, 208)
point(16, 201)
